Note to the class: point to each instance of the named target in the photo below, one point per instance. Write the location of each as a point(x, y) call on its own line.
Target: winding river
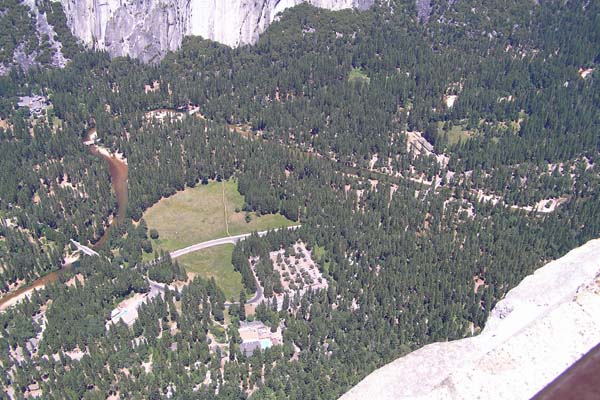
point(118, 170)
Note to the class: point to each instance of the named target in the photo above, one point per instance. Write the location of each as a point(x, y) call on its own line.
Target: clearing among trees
point(296, 271)
point(203, 213)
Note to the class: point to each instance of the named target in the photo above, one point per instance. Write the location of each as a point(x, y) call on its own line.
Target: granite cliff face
point(147, 29)
point(537, 331)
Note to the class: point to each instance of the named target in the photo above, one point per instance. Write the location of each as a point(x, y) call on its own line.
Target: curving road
point(258, 296)
point(219, 242)
point(12, 297)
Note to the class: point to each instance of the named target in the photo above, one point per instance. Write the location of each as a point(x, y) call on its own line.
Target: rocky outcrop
point(43, 28)
point(538, 330)
point(149, 28)
point(25, 56)
point(423, 10)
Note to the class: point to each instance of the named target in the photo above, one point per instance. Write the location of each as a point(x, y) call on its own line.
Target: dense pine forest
point(432, 166)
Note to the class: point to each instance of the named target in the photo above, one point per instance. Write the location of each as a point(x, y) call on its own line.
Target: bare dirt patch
point(477, 283)
point(450, 100)
point(585, 72)
point(298, 271)
point(152, 88)
point(77, 278)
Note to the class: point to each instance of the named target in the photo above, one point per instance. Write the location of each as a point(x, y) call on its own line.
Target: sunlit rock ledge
point(537, 331)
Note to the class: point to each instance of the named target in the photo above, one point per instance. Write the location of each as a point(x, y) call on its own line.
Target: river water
point(118, 171)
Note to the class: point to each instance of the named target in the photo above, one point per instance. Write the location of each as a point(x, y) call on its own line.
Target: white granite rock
point(149, 28)
point(538, 330)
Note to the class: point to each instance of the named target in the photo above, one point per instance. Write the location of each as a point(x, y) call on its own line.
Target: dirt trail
point(225, 210)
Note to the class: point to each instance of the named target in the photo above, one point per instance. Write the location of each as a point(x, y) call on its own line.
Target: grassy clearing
point(215, 262)
point(198, 214)
point(460, 132)
point(191, 216)
point(218, 332)
point(318, 252)
point(52, 119)
point(456, 133)
point(358, 75)
point(516, 125)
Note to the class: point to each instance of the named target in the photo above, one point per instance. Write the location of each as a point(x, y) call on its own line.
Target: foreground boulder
point(537, 331)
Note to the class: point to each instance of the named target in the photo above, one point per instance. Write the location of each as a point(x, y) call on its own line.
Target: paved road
point(258, 296)
point(218, 242)
point(257, 299)
point(154, 286)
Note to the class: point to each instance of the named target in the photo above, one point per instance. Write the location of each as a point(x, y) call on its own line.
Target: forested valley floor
point(431, 167)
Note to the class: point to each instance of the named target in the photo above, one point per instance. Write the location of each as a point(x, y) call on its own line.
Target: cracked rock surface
point(148, 29)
